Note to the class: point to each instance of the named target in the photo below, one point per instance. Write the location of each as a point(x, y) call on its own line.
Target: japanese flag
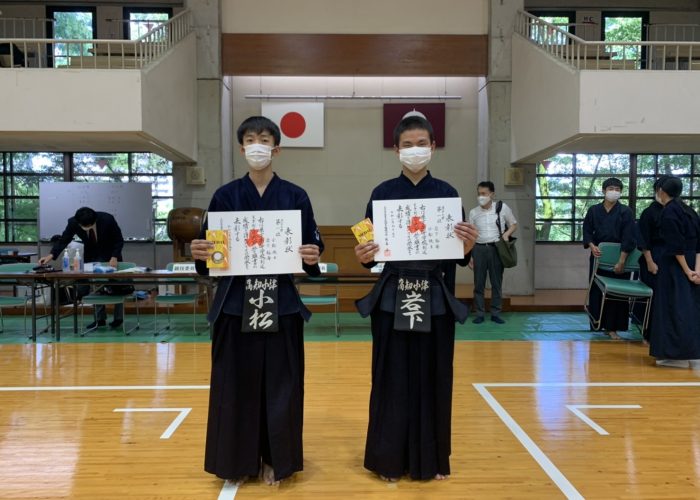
point(301, 123)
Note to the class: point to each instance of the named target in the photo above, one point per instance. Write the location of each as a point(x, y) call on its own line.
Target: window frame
point(628, 13)
point(630, 195)
point(7, 174)
point(127, 11)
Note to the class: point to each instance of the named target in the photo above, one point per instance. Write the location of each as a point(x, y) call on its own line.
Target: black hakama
point(648, 238)
point(616, 313)
point(256, 400)
point(675, 328)
point(410, 406)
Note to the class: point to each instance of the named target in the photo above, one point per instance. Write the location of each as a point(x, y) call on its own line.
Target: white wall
point(170, 111)
point(561, 266)
point(639, 102)
point(447, 17)
point(544, 100)
point(340, 177)
point(58, 100)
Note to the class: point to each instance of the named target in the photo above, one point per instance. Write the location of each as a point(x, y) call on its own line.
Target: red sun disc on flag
point(293, 125)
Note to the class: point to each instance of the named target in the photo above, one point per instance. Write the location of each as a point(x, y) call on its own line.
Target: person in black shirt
point(674, 336)
point(609, 221)
point(648, 236)
point(102, 242)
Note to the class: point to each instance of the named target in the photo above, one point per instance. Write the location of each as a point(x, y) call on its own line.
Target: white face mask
point(612, 196)
point(415, 158)
point(258, 156)
point(483, 200)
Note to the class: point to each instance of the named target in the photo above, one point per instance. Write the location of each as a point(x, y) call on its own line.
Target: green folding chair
point(17, 301)
point(96, 299)
point(172, 299)
point(325, 299)
point(625, 290)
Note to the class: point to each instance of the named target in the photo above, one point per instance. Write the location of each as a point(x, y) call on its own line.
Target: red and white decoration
point(301, 123)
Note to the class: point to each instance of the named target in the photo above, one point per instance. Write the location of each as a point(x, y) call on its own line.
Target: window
point(71, 23)
point(22, 173)
point(562, 20)
point(626, 27)
point(568, 184)
point(649, 167)
point(140, 20)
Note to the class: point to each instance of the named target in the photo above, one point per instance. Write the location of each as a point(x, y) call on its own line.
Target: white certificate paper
point(420, 229)
point(260, 242)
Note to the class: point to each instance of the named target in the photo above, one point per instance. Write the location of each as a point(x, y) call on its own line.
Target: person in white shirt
point(485, 257)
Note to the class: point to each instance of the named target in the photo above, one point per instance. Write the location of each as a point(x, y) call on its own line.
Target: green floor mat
point(321, 328)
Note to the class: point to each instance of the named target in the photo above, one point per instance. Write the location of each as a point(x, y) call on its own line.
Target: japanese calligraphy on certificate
point(259, 242)
point(420, 229)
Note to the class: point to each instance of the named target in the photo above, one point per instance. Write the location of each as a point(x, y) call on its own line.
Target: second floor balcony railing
point(608, 55)
point(95, 53)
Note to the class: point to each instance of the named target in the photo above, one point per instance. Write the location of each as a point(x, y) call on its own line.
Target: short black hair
point(487, 184)
point(659, 181)
point(85, 216)
point(258, 125)
point(412, 123)
point(672, 186)
point(614, 182)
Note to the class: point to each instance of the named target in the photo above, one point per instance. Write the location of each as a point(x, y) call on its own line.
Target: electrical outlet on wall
point(514, 176)
point(195, 176)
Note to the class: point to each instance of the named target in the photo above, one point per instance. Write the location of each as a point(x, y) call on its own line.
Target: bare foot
point(268, 475)
point(389, 479)
point(236, 481)
point(440, 477)
point(613, 335)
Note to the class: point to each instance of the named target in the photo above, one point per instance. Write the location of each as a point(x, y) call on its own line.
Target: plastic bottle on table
point(66, 261)
point(77, 262)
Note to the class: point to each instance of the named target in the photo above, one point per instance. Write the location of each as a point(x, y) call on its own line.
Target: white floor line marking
point(228, 492)
point(104, 388)
point(173, 425)
point(549, 468)
point(586, 419)
point(540, 457)
point(591, 384)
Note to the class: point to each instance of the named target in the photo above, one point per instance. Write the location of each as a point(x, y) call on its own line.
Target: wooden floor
point(69, 429)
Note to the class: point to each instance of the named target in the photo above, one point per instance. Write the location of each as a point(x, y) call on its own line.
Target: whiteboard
point(129, 202)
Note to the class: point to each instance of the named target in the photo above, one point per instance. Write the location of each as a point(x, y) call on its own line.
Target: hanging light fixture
point(354, 97)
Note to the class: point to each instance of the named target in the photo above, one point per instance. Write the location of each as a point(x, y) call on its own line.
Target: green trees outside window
point(22, 173)
point(568, 184)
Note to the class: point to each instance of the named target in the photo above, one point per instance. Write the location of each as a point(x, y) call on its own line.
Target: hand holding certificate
point(417, 229)
point(255, 242)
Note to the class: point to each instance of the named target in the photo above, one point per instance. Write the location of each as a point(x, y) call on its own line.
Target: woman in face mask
point(674, 335)
point(613, 222)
